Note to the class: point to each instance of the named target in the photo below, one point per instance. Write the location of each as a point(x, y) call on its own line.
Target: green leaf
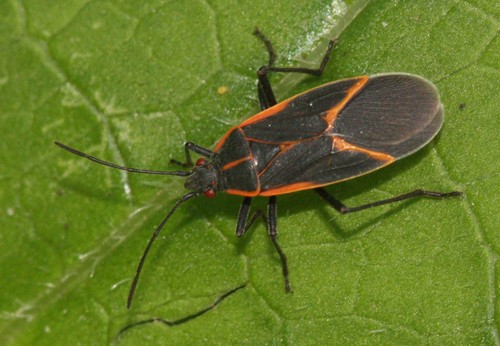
point(131, 81)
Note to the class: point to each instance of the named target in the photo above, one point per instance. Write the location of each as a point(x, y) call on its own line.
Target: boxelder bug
point(332, 133)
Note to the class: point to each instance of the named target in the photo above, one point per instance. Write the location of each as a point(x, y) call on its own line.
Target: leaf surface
point(131, 81)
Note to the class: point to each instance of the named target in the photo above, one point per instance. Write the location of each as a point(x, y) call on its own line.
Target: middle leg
point(244, 223)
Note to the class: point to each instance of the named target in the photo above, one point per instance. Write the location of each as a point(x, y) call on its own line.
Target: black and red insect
point(335, 132)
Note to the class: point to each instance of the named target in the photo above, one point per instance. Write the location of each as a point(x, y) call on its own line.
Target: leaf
point(129, 82)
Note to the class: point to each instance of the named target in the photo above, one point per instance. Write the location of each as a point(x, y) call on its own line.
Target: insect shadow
point(179, 321)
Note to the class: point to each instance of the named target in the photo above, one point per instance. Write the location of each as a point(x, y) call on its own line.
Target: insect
point(334, 132)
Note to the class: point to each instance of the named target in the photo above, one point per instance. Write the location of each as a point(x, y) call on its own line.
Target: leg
point(341, 208)
point(264, 89)
point(272, 223)
point(244, 223)
point(190, 146)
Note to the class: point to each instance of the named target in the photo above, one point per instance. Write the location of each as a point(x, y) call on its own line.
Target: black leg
point(272, 223)
point(188, 147)
point(266, 95)
point(264, 89)
point(340, 207)
point(244, 223)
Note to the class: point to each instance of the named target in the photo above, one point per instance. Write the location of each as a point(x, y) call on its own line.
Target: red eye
point(209, 193)
point(201, 161)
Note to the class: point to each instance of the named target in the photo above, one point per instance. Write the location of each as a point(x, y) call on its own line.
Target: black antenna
point(160, 226)
point(112, 165)
point(153, 237)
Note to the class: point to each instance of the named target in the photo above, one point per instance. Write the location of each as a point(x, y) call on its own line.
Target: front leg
point(244, 223)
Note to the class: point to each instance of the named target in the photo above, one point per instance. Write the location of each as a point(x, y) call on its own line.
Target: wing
point(387, 118)
point(384, 110)
point(303, 116)
point(395, 113)
point(315, 163)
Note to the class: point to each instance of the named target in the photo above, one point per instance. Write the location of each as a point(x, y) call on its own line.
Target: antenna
point(160, 226)
point(153, 237)
point(112, 165)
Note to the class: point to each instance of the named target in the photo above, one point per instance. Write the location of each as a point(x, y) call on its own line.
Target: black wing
point(389, 117)
point(395, 113)
point(302, 116)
